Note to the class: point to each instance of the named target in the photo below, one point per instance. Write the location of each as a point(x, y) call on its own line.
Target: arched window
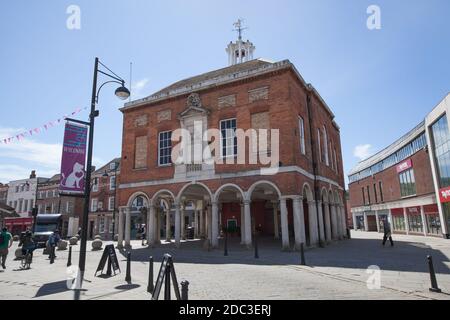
point(325, 145)
point(138, 203)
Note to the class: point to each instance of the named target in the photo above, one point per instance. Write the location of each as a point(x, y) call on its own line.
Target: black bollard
point(348, 233)
point(128, 276)
point(434, 285)
point(256, 248)
point(225, 248)
point(184, 290)
point(150, 286)
point(69, 259)
point(52, 254)
point(167, 284)
point(302, 255)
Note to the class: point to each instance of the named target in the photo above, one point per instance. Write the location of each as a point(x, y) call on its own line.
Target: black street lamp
point(122, 93)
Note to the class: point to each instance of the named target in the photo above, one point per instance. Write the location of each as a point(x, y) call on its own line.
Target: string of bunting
point(38, 130)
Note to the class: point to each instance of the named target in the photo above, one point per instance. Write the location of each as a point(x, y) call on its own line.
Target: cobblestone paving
point(337, 271)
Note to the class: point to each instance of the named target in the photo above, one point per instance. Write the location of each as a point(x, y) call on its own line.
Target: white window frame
point(227, 138)
point(92, 205)
point(112, 186)
point(111, 203)
point(159, 149)
point(95, 185)
point(319, 137)
point(325, 145)
point(301, 133)
point(112, 166)
point(101, 224)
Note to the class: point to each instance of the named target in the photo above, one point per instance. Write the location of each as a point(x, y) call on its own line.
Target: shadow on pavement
point(52, 288)
point(349, 253)
point(127, 287)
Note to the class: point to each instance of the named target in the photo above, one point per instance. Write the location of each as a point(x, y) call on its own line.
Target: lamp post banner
point(73, 159)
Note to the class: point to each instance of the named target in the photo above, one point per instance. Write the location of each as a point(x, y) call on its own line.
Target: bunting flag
point(40, 129)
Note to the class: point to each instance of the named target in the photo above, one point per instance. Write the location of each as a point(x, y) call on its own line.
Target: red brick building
point(396, 184)
point(50, 201)
point(301, 203)
point(102, 209)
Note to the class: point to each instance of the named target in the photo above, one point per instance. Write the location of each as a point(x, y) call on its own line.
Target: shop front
point(17, 225)
point(398, 220)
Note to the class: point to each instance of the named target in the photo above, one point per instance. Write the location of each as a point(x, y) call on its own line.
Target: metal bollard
point(434, 285)
point(167, 284)
point(150, 286)
point(69, 259)
point(225, 249)
point(184, 290)
point(348, 233)
point(302, 255)
point(128, 276)
point(52, 254)
point(256, 248)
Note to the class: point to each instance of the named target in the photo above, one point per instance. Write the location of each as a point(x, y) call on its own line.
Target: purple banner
point(73, 159)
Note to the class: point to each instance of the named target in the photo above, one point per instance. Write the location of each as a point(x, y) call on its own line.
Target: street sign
point(110, 254)
point(166, 271)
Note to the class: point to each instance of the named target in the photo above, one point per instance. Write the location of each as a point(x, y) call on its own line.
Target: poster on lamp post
point(73, 159)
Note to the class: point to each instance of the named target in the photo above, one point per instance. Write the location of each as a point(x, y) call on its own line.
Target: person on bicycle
point(27, 243)
point(53, 242)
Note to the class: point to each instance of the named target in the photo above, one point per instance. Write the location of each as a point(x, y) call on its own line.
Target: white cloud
point(362, 151)
point(137, 87)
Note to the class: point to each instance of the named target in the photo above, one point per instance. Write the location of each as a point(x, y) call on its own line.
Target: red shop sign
point(444, 195)
point(405, 165)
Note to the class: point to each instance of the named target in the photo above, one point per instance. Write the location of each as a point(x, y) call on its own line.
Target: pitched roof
point(245, 66)
point(106, 167)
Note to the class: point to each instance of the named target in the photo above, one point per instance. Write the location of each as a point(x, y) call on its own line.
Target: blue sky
point(379, 83)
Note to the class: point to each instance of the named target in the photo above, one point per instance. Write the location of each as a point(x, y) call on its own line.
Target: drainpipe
point(314, 160)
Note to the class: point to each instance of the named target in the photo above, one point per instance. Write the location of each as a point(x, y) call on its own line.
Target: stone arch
point(324, 218)
point(135, 195)
point(161, 192)
point(306, 190)
point(262, 182)
point(228, 185)
point(186, 186)
point(309, 214)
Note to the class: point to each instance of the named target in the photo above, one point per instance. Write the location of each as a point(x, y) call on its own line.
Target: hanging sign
point(73, 159)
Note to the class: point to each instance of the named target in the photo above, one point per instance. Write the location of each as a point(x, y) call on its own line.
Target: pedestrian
point(143, 234)
point(387, 233)
point(6, 241)
point(53, 242)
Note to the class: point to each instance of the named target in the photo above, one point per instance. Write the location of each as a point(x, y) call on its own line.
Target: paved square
point(337, 271)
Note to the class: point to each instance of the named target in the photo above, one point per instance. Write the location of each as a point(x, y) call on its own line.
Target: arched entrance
point(204, 216)
point(163, 217)
point(309, 215)
point(263, 217)
point(230, 201)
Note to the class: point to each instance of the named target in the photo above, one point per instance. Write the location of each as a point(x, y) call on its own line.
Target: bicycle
point(26, 260)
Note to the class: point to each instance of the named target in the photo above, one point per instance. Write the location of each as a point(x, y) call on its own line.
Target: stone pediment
point(194, 107)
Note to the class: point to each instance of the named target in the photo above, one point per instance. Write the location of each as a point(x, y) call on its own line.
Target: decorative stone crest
point(194, 101)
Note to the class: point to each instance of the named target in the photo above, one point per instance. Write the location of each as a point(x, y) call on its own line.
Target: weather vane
point(238, 27)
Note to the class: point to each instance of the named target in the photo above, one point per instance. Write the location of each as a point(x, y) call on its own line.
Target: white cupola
point(239, 51)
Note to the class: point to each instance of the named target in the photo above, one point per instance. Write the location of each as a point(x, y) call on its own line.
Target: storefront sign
point(413, 210)
point(405, 165)
point(444, 195)
point(73, 159)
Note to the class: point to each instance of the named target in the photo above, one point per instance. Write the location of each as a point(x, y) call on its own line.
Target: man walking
point(6, 241)
point(387, 232)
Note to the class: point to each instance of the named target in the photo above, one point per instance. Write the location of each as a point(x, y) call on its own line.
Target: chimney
point(33, 174)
